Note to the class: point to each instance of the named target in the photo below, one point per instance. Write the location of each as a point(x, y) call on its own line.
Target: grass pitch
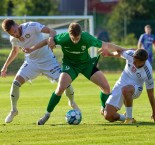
point(93, 130)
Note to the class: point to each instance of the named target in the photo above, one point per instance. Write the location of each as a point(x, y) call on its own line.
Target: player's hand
point(27, 50)
point(153, 117)
point(3, 72)
point(104, 52)
point(51, 42)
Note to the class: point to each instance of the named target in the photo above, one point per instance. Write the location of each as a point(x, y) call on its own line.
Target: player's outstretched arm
point(150, 93)
point(35, 47)
point(13, 54)
point(108, 49)
point(51, 33)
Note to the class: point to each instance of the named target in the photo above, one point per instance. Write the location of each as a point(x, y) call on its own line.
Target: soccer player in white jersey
point(129, 86)
point(41, 61)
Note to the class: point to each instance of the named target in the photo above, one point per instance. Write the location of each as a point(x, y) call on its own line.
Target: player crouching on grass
point(130, 85)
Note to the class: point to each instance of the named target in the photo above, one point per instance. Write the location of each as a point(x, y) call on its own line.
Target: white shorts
point(116, 98)
point(30, 70)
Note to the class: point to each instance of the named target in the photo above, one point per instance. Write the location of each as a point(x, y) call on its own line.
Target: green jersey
point(77, 53)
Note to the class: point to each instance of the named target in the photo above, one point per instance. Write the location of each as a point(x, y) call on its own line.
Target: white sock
point(14, 94)
point(122, 117)
point(48, 113)
point(128, 112)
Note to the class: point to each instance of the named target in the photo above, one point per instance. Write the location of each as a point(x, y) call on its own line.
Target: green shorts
point(87, 69)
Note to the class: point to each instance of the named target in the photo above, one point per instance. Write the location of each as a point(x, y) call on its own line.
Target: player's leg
point(14, 96)
point(69, 92)
point(64, 81)
point(99, 79)
point(110, 113)
point(113, 104)
point(129, 93)
point(28, 71)
point(54, 75)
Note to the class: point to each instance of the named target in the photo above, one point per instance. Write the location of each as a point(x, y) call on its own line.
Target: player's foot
point(43, 120)
point(129, 121)
point(102, 110)
point(10, 116)
point(74, 106)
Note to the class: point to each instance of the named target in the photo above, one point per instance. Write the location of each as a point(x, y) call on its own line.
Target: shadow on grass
point(86, 124)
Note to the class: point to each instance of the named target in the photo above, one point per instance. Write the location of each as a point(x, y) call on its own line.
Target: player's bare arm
point(35, 47)
point(108, 49)
point(51, 33)
point(13, 54)
point(150, 93)
point(139, 45)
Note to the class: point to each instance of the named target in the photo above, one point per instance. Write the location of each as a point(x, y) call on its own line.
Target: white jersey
point(31, 32)
point(136, 76)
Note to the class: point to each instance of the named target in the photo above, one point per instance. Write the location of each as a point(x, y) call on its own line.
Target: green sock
point(54, 100)
point(103, 98)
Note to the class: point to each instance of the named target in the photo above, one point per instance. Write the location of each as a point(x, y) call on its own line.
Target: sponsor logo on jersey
point(27, 35)
point(83, 47)
point(67, 68)
point(138, 75)
point(73, 52)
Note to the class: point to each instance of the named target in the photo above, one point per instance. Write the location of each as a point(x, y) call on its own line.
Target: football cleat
point(43, 120)
point(10, 116)
point(129, 121)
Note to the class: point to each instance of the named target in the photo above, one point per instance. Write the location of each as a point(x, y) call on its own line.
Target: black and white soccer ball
point(73, 117)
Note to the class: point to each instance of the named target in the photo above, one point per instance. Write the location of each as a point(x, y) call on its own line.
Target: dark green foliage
point(35, 7)
point(127, 17)
point(111, 64)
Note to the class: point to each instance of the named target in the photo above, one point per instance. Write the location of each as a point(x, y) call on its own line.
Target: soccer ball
point(73, 117)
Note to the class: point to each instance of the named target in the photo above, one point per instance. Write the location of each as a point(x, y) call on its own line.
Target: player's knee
point(60, 90)
point(15, 89)
point(108, 116)
point(124, 90)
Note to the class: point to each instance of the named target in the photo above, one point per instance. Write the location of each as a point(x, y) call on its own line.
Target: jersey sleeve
point(127, 54)
point(36, 26)
point(14, 41)
point(61, 38)
point(92, 41)
point(149, 82)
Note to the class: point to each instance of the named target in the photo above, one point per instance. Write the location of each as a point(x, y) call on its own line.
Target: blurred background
point(118, 21)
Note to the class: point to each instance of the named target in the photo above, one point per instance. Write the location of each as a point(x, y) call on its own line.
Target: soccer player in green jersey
point(76, 59)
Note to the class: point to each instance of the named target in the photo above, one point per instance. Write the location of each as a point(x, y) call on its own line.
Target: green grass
point(93, 130)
